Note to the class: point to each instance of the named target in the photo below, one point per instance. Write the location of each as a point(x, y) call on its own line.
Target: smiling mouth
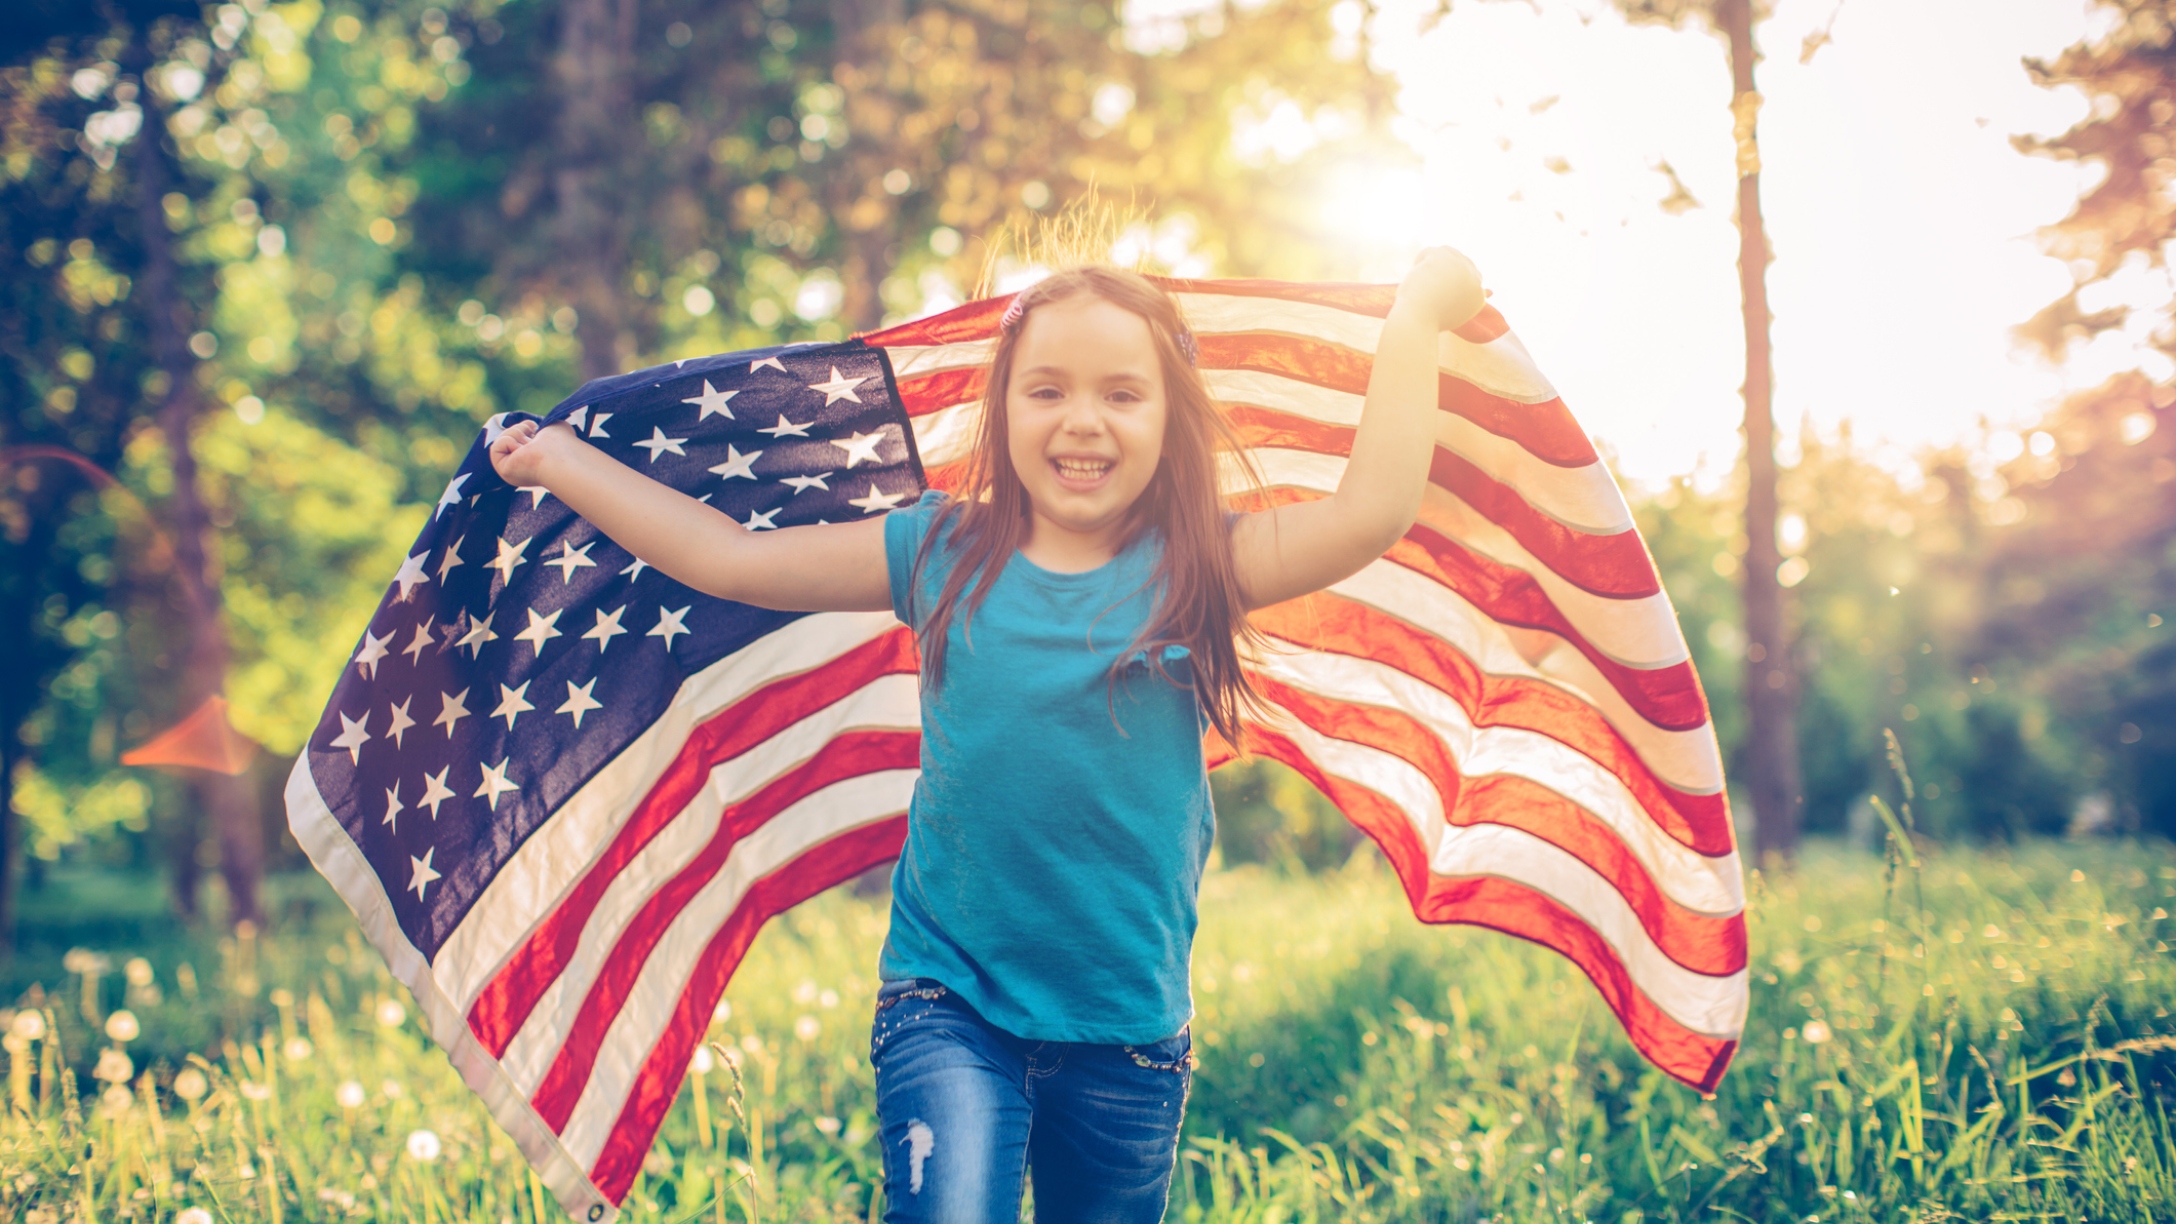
point(1083, 470)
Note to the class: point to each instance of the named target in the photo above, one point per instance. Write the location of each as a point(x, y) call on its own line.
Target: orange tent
point(203, 740)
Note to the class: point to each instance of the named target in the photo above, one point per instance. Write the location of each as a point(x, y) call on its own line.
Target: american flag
point(616, 780)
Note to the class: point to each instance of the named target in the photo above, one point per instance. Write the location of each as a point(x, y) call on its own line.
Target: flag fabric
point(617, 780)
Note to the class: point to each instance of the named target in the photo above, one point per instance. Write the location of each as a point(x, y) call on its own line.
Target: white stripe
point(947, 435)
point(335, 854)
point(1582, 498)
point(889, 702)
point(1704, 885)
point(532, 883)
point(1706, 1004)
point(1687, 760)
point(1640, 633)
point(836, 809)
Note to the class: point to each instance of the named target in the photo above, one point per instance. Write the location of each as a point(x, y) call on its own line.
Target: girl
point(1079, 610)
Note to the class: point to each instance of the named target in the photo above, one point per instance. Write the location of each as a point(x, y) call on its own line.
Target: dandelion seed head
point(751, 1043)
point(392, 1089)
point(113, 1066)
point(704, 1062)
point(424, 1146)
point(805, 992)
point(721, 1013)
point(193, 1215)
point(114, 1101)
point(256, 1092)
point(29, 1025)
point(122, 1026)
point(297, 1049)
point(281, 997)
point(807, 1028)
point(1816, 1032)
point(349, 1095)
point(190, 1085)
point(391, 1014)
point(137, 971)
point(828, 999)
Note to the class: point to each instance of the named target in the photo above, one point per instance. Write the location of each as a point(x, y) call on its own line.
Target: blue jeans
point(969, 1111)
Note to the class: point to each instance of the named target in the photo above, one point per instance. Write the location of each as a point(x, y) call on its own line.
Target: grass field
point(1988, 1038)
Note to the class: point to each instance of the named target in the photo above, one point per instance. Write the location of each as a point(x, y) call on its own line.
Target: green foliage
point(1997, 1051)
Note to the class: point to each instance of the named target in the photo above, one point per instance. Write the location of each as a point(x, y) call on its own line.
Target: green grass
point(2002, 1055)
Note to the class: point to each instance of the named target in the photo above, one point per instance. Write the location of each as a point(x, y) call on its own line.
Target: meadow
point(1986, 1037)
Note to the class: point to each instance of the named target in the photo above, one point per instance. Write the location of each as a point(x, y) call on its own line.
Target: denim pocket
point(899, 1002)
point(1175, 1054)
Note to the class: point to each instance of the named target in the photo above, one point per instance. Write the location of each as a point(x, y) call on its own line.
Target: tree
point(1770, 760)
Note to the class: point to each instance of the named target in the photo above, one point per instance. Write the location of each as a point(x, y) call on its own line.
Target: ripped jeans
point(969, 1112)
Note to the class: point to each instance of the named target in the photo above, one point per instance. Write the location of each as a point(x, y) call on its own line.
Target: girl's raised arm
point(836, 567)
point(1289, 551)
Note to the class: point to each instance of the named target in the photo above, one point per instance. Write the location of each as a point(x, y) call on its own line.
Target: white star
point(579, 702)
point(877, 500)
point(785, 427)
point(571, 559)
point(838, 388)
point(737, 464)
point(452, 558)
point(424, 875)
point(372, 650)
point(712, 402)
point(659, 444)
point(596, 425)
point(479, 632)
point(509, 558)
point(579, 418)
point(537, 494)
point(414, 650)
point(455, 709)
point(607, 628)
point(353, 736)
point(861, 446)
point(635, 567)
point(494, 427)
point(540, 630)
point(401, 722)
point(411, 573)
point(451, 496)
point(772, 362)
point(393, 807)
point(802, 484)
point(494, 784)
point(435, 791)
point(669, 625)
point(513, 703)
point(761, 520)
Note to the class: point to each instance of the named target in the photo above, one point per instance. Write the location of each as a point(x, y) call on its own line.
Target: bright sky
point(1901, 218)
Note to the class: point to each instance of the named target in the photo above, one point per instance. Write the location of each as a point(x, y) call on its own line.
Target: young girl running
point(1079, 609)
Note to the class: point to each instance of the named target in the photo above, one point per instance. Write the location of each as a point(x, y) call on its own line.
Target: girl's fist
point(1444, 286)
point(520, 451)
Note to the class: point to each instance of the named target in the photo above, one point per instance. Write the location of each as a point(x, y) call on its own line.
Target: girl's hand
point(1443, 287)
point(520, 451)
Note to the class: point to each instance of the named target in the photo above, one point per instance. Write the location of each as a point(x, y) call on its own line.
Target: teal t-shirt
point(1058, 832)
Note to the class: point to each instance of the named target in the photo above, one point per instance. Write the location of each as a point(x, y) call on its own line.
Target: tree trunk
point(596, 126)
point(1771, 687)
point(228, 801)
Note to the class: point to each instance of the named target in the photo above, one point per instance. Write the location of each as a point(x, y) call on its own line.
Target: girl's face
point(1084, 414)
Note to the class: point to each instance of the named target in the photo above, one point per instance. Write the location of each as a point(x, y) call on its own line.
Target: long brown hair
point(1199, 604)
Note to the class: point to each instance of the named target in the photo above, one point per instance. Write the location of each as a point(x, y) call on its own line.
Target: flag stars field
point(579, 701)
point(494, 784)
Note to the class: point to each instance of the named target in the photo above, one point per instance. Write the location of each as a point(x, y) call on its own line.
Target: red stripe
point(1702, 943)
point(1373, 300)
point(927, 393)
point(1333, 624)
point(1669, 697)
point(657, 1085)
point(1613, 565)
point(849, 755)
point(504, 1005)
point(1515, 909)
point(977, 320)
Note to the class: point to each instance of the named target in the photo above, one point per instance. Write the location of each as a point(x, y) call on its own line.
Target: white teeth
point(1081, 469)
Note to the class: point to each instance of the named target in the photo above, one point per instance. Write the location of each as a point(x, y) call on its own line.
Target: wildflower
point(114, 1101)
point(122, 1026)
point(751, 1043)
point(423, 1145)
point(29, 1025)
point(391, 1014)
point(828, 999)
point(349, 1095)
point(721, 1013)
point(297, 1049)
point(704, 1062)
point(1816, 1032)
point(256, 1092)
point(338, 1198)
point(137, 971)
point(113, 1066)
point(190, 1085)
point(193, 1215)
point(828, 1125)
point(805, 993)
point(807, 1028)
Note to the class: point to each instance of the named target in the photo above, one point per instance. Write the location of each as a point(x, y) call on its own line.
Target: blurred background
point(268, 266)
